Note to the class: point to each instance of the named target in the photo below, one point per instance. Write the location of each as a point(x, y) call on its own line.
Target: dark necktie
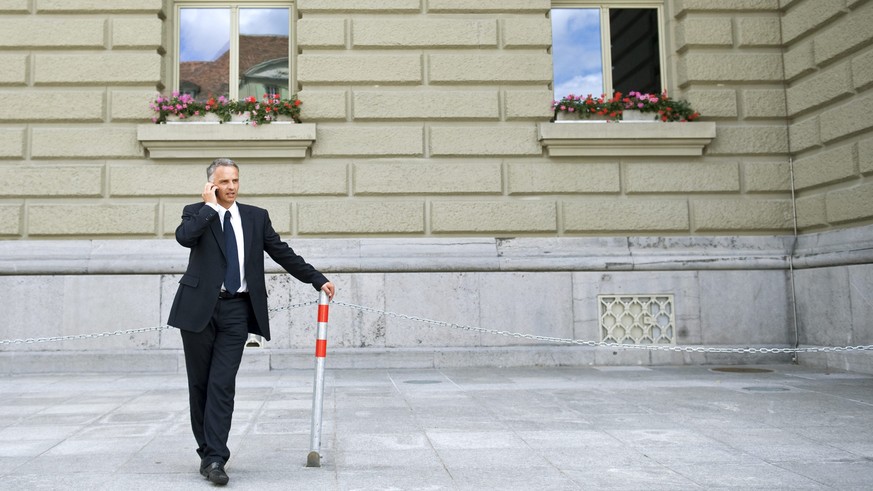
point(231, 276)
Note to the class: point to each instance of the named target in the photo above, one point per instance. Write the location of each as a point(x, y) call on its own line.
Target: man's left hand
point(329, 289)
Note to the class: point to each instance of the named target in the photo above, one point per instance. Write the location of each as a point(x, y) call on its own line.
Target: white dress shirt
point(236, 222)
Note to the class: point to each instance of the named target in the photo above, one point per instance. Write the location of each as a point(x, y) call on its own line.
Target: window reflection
point(204, 41)
point(578, 66)
point(263, 52)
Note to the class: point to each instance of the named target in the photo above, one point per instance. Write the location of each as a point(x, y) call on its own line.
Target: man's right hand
point(209, 193)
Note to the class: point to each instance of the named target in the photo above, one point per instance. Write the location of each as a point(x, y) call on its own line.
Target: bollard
point(314, 457)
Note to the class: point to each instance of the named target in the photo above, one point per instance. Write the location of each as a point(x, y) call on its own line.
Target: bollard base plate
point(313, 459)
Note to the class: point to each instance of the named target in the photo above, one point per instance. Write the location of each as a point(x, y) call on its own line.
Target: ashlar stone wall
point(829, 73)
point(727, 60)
point(74, 80)
point(435, 105)
point(427, 115)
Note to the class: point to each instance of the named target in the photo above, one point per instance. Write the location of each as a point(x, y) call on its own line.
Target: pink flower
point(571, 109)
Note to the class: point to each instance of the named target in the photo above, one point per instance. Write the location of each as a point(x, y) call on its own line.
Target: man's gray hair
point(222, 162)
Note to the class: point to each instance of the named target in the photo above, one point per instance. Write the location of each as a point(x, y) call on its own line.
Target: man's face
point(226, 180)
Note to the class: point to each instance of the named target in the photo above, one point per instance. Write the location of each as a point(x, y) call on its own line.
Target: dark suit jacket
point(197, 295)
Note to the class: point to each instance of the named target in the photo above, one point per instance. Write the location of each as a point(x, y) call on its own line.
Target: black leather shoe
point(215, 473)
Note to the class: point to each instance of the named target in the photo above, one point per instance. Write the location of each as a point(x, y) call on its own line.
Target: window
point(248, 43)
point(604, 47)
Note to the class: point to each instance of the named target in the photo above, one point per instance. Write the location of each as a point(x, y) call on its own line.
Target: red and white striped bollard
point(314, 457)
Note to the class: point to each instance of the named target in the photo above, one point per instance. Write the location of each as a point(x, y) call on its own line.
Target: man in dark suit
point(222, 298)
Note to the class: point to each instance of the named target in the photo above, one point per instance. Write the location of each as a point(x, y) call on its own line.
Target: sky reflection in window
point(204, 34)
point(576, 52)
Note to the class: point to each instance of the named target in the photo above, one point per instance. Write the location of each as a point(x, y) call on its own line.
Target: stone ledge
point(467, 254)
point(165, 256)
point(266, 359)
point(599, 138)
point(835, 248)
point(237, 141)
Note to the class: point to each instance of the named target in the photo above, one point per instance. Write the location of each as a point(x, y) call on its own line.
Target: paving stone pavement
point(624, 428)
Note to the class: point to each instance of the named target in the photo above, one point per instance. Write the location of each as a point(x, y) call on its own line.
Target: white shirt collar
point(234, 209)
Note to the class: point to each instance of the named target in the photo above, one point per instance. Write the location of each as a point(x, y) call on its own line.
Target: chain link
point(106, 334)
point(95, 335)
point(482, 330)
point(294, 306)
point(603, 344)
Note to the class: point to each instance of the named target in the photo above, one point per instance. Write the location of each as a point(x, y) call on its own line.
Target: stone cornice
point(841, 247)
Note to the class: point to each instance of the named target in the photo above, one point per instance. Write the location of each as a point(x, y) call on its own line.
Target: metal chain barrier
point(82, 336)
point(482, 330)
point(651, 347)
point(294, 306)
point(122, 333)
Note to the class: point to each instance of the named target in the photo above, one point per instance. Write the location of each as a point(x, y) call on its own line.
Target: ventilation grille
point(637, 319)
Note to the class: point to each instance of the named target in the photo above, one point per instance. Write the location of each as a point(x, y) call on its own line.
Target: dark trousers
point(212, 359)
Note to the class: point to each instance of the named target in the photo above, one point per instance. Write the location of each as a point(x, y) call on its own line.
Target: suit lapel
point(248, 226)
point(218, 233)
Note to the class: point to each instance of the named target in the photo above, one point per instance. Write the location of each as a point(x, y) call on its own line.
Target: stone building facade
point(428, 180)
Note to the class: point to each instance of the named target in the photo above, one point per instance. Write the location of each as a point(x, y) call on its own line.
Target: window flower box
point(628, 137)
point(182, 108)
point(637, 116)
point(633, 107)
point(573, 117)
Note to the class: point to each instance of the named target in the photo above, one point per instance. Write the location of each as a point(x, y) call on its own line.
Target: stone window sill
point(642, 139)
point(237, 141)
